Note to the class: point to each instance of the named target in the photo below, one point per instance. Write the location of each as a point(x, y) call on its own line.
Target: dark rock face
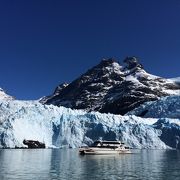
point(33, 144)
point(60, 88)
point(132, 62)
point(110, 87)
point(56, 92)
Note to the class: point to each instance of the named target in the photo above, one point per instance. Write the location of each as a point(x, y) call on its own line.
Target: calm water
point(42, 164)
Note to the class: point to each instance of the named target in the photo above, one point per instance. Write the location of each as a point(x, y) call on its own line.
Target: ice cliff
point(60, 126)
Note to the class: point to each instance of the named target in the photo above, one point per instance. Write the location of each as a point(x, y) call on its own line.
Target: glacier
point(64, 127)
point(165, 107)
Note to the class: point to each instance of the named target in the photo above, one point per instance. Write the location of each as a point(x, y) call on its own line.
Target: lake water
point(52, 164)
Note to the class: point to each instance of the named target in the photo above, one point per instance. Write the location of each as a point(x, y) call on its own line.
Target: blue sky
point(44, 43)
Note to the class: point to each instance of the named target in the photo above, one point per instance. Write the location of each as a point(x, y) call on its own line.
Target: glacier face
point(170, 131)
point(168, 109)
point(60, 126)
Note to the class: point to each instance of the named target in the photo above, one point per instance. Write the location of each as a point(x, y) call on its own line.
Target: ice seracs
point(64, 127)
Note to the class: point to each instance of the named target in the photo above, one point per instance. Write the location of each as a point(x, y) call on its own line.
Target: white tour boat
point(105, 147)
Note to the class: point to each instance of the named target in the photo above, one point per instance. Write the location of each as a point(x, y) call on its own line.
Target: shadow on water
point(68, 164)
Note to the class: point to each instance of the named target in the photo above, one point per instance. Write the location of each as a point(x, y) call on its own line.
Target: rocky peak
point(107, 65)
point(132, 62)
point(107, 70)
point(106, 62)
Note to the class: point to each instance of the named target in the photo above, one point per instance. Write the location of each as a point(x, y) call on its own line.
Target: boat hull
point(99, 151)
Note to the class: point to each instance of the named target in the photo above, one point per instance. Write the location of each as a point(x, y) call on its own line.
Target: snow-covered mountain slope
point(111, 87)
point(4, 96)
point(166, 107)
point(176, 80)
point(60, 126)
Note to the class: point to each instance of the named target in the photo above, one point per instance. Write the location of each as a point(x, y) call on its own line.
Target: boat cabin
point(106, 144)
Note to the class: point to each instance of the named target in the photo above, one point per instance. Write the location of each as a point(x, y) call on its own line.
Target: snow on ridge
point(143, 73)
point(171, 92)
point(59, 126)
point(115, 67)
point(176, 80)
point(3, 95)
point(132, 79)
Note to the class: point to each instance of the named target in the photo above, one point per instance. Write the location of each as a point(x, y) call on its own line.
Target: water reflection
point(68, 164)
point(24, 163)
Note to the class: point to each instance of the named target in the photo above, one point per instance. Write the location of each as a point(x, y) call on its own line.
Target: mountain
point(4, 96)
point(64, 127)
point(111, 87)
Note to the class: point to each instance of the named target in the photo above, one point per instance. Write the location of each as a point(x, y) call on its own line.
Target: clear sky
point(44, 43)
